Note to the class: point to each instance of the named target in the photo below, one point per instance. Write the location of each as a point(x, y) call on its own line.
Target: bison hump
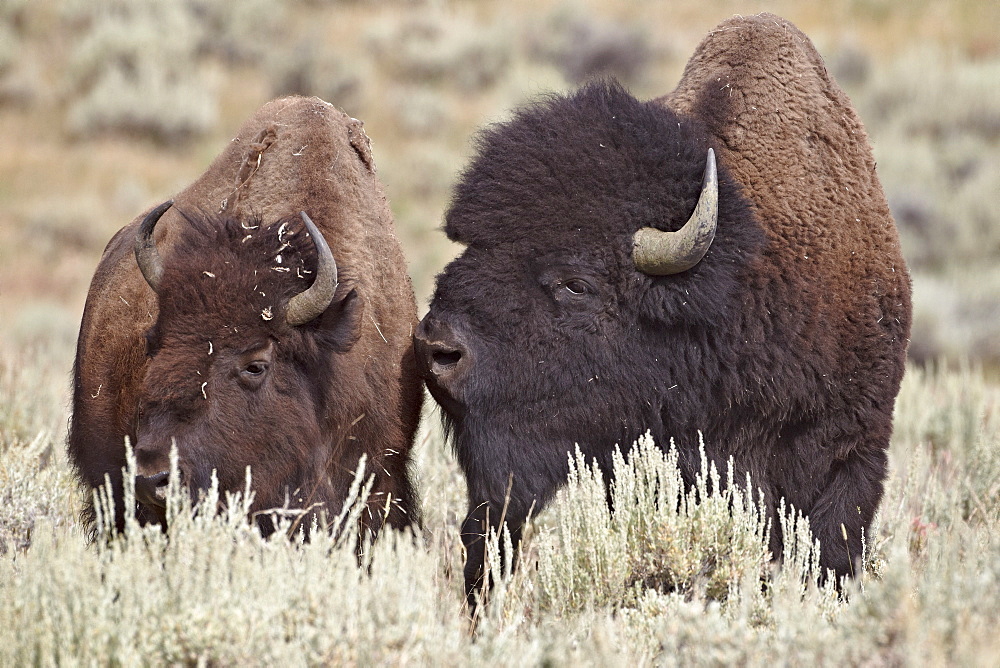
point(790, 137)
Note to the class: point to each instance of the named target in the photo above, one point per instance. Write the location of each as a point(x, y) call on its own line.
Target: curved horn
point(660, 253)
point(308, 304)
point(146, 256)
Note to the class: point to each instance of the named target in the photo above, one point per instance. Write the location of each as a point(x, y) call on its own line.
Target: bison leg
point(392, 501)
point(89, 514)
point(845, 508)
point(481, 520)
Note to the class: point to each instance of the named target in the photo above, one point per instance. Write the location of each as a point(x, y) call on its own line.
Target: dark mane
point(229, 267)
point(574, 147)
point(585, 171)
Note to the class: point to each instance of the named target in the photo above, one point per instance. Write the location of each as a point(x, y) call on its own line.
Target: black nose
point(151, 490)
point(442, 357)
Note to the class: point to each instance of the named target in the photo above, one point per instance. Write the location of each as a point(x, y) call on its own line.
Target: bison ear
point(361, 144)
point(339, 327)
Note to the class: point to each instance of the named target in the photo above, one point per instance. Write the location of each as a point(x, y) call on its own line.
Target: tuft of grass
point(949, 426)
point(34, 485)
point(660, 535)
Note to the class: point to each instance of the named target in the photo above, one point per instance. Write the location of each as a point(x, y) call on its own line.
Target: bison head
point(241, 360)
point(588, 294)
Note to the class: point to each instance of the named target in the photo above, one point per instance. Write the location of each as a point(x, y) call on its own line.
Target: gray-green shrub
point(429, 47)
point(583, 46)
point(136, 71)
point(212, 591)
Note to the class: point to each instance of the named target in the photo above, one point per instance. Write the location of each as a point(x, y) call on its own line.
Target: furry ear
point(339, 327)
point(361, 144)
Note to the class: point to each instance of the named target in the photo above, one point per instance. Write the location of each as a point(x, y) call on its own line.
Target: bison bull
point(255, 335)
point(616, 279)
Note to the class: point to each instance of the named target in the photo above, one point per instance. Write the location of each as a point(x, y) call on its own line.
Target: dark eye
point(576, 286)
point(255, 369)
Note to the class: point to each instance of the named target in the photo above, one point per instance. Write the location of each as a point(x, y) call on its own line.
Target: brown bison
point(262, 319)
point(616, 278)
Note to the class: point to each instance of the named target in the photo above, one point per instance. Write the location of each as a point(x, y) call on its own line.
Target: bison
point(261, 319)
point(721, 259)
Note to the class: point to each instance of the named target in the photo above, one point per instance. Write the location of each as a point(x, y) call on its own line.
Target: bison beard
point(545, 334)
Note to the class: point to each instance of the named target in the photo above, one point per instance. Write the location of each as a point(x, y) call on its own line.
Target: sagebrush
point(670, 575)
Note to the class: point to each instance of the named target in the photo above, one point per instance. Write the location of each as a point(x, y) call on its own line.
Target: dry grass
point(663, 579)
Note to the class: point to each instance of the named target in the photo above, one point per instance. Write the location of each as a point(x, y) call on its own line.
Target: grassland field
point(109, 106)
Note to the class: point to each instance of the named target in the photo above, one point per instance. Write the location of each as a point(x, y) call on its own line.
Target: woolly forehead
point(586, 166)
point(232, 272)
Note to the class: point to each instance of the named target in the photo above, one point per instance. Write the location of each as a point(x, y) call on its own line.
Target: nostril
point(442, 357)
point(446, 357)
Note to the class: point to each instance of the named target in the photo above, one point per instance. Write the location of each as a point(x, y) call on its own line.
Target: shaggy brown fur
point(338, 388)
point(784, 346)
point(790, 136)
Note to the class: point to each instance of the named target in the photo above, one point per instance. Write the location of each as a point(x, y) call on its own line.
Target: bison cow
point(616, 278)
point(261, 319)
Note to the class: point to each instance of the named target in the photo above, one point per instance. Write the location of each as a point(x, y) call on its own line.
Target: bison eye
point(255, 369)
point(576, 286)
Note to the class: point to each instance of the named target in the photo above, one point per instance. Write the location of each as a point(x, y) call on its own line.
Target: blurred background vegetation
point(108, 106)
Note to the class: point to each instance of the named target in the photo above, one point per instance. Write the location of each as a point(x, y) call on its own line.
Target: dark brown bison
point(263, 320)
point(617, 279)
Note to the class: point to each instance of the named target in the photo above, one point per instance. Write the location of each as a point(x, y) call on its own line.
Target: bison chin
point(453, 406)
point(151, 502)
point(151, 495)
